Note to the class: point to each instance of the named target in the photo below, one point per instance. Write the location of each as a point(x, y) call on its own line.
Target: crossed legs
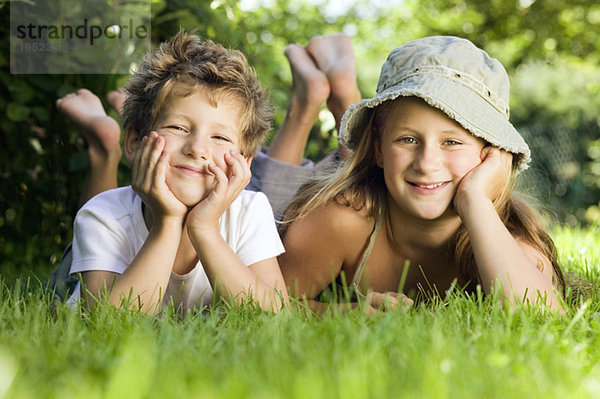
point(323, 70)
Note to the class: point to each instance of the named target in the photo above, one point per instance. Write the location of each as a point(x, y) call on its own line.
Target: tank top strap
point(363, 261)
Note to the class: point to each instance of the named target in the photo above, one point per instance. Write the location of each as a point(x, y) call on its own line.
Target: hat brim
point(457, 101)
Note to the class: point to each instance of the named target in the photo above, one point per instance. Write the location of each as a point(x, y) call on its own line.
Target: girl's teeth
point(429, 185)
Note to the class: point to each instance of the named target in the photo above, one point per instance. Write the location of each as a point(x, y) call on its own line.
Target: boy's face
point(197, 133)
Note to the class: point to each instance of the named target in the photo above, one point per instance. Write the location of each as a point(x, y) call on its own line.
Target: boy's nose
point(428, 158)
point(197, 146)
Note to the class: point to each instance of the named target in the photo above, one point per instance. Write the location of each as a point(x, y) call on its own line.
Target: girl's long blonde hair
point(359, 183)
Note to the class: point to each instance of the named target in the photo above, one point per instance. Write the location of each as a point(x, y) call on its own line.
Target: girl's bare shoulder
point(341, 219)
point(343, 226)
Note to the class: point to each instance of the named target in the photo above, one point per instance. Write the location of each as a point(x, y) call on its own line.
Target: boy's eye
point(221, 138)
point(177, 128)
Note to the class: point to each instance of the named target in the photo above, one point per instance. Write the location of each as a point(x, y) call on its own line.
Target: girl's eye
point(452, 142)
point(407, 140)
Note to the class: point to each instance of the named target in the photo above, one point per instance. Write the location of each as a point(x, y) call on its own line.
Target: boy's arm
point(229, 277)
point(501, 259)
point(262, 280)
point(144, 282)
point(146, 278)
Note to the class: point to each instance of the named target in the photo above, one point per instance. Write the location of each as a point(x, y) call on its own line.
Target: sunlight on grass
point(579, 249)
point(8, 370)
point(466, 348)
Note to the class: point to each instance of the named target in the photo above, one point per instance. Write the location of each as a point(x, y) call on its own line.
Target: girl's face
point(424, 155)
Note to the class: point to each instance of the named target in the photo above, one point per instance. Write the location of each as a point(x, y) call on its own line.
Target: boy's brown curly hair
point(184, 64)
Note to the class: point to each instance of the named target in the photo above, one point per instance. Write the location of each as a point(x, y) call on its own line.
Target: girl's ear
point(484, 151)
point(249, 161)
point(131, 143)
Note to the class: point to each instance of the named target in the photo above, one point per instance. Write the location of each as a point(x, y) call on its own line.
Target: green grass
point(469, 348)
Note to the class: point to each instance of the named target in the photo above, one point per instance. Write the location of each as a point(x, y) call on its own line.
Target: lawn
point(461, 348)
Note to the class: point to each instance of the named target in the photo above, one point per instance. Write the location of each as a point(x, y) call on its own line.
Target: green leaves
point(17, 112)
point(41, 150)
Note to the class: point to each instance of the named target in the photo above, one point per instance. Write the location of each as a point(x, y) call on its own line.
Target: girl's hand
point(486, 181)
point(228, 185)
point(381, 301)
point(148, 179)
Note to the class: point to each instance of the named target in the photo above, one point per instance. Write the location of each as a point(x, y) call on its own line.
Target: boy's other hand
point(228, 185)
point(148, 178)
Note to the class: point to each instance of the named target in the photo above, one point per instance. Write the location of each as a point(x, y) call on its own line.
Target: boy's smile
point(196, 134)
point(424, 155)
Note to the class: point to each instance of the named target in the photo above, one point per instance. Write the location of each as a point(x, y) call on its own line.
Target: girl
point(429, 185)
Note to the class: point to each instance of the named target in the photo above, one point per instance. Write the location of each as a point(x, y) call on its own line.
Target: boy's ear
point(249, 160)
point(131, 142)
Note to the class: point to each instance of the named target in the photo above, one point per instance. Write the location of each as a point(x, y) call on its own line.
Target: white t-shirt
point(109, 231)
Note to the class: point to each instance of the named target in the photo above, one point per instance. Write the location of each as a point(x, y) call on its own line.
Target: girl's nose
point(428, 158)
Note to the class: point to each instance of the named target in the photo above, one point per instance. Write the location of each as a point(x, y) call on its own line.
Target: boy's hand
point(228, 185)
point(148, 178)
point(485, 181)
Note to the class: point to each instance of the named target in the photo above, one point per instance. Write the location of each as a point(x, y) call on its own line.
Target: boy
point(194, 117)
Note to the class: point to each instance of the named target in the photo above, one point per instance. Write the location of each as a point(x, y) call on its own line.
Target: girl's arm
point(261, 281)
point(523, 272)
point(316, 247)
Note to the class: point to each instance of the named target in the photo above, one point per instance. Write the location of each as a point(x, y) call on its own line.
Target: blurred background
point(551, 49)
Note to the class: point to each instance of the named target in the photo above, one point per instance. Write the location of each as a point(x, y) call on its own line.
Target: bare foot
point(309, 92)
point(101, 132)
point(102, 135)
point(310, 86)
point(334, 56)
point(116, 98)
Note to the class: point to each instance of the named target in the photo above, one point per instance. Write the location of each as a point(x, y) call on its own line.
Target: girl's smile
point(428, 188)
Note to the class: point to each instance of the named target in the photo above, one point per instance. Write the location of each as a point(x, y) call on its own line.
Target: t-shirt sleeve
point(99, 243)
point(258, 238)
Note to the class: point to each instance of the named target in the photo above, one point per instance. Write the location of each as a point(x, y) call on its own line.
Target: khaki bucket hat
point(450, 74)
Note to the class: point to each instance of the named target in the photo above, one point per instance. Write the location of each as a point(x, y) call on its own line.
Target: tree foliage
point(551, 49)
